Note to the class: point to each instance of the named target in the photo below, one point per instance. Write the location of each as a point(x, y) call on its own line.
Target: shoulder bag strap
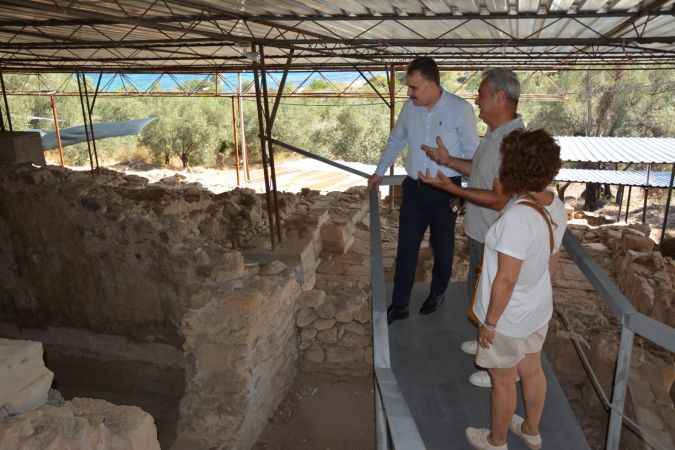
point(540, 209)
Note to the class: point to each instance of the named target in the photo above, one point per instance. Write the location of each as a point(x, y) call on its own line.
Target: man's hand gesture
point(439, 154)
point(440, 181)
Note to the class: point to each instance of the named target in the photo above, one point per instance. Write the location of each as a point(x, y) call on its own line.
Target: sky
point(113, 82)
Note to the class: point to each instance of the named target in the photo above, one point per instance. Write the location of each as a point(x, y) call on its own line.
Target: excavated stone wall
point(158, 264)
point(647, 278)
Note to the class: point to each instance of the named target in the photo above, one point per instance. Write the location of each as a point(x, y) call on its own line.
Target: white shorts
point(506, 351)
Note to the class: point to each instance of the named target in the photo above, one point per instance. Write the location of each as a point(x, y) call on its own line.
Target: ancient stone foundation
point(647, 279)
point(169, 290)
point(111, 259)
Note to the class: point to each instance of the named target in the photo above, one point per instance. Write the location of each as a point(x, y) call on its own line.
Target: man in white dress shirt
point(430, 113)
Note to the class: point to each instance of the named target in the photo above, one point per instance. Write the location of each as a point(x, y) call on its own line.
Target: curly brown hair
point(530, 161)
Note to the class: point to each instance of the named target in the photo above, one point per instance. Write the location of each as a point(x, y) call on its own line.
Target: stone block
point(328, 336)
point(21, 147)
point(315, 354)
point(25, 379)
point(353, 340)
point(326, 310)
point(344, 355)
point(337, 238)
point(312, 299)
point(324, 324)
point(637, 243)
point(306, 316)
point(364, 315)
point(356, 328)
point(308, 334)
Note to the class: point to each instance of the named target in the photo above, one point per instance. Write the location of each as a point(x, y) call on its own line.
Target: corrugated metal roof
point(198, 35)
point(617, 149)
point(616, 177)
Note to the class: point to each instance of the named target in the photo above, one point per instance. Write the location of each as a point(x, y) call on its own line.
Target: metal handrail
point(632, 322)
point(395, 426)
point(400, 423)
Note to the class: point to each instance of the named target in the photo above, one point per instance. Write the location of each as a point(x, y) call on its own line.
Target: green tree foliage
point(195, 129)
point(185, 127)
point(623, 103)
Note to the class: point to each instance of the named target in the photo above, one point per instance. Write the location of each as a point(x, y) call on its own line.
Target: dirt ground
point(323, 413)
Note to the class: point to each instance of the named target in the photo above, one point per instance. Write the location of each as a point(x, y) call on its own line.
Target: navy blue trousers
point(423, 207)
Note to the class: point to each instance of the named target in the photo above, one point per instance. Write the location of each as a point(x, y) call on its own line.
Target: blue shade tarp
point(75, 135)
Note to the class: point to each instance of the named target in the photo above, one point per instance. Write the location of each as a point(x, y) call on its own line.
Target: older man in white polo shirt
point(430, 112)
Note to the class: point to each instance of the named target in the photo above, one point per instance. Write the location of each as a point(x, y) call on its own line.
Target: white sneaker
point(470, 347)
point(478, 438)
point(532, 441)
point(482, 379)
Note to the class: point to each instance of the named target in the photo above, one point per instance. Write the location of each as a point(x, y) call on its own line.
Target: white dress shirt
point(451, 118)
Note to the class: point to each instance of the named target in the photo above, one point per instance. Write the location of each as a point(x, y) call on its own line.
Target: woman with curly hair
point(514, 301)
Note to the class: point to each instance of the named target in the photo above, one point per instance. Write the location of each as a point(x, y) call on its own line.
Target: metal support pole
point(242, 130)
point(90, 108)
point(4, 98)
point(263, 142)
point(280, 91)
point(589, 104)
point(620, 202)
point(667, 211)
point(270, 147)
point(84, 117)
point(392, 122)
point(234, 139)
point(630, 189)
point(620, 384)
point(57, 129)
point(646, 194)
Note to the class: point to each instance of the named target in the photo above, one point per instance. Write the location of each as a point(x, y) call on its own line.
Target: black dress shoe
point(395, 313)
point(432, 303)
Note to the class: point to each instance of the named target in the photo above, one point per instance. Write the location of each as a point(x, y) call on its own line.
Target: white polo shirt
point(484, 170)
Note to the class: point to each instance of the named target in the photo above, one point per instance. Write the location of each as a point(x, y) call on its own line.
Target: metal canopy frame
point(203, 35)
point(198, 36)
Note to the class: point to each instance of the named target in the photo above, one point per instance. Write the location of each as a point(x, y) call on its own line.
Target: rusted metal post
point(234, 139)
point(268, 136)
point(263, 142)
point(57, 129)
point(242, 130)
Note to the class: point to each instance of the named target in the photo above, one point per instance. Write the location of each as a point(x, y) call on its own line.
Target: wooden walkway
point(433, 372)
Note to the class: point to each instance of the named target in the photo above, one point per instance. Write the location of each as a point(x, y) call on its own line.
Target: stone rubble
point(80, 424)
point(629, 257)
